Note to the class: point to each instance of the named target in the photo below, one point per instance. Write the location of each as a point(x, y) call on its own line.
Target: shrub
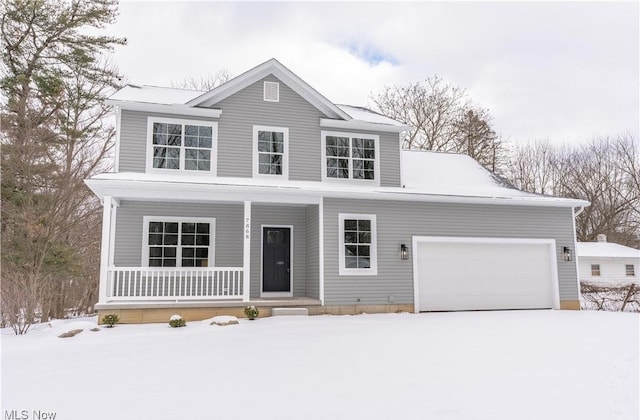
point(177, 321)
point(110, 320)
point(251, 312)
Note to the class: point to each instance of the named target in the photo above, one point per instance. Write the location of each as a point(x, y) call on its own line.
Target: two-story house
point(262, 191)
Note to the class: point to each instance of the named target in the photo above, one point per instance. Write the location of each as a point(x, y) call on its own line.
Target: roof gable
point(261, 71)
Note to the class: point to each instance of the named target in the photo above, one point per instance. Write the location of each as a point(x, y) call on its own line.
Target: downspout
point(575, 250)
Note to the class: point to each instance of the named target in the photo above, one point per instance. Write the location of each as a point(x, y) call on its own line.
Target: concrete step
point(289, 311)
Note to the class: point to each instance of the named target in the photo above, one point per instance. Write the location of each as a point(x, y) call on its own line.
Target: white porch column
point(107, 203)
point(246, 259)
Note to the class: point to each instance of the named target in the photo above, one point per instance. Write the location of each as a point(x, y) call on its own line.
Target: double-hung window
point(357, 245)
point(630, 270)
point(178, 242)
point(349, 156)
point(271, 151)
point(595, 270)
point(181, 145)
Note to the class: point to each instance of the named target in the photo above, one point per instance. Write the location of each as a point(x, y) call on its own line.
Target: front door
point(276, 260)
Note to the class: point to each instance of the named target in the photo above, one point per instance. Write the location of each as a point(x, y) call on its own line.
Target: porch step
point(289, 311)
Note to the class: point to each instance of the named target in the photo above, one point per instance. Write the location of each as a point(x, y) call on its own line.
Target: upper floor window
point(181, 144)
point(178, 242)
point(271, 151)
point(357, 247)
point(350, 156)
point(595, 270)
point(630, 270)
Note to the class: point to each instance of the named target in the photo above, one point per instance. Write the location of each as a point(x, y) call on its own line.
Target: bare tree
point(444, 119)
point(604, 172)
point(204, 84)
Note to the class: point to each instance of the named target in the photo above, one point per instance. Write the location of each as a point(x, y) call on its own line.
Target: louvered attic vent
point(271, 91)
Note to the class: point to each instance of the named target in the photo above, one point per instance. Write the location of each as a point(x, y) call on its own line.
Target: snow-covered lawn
point(473, 365)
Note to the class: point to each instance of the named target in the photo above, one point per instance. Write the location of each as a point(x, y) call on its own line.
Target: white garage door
point(452, 274)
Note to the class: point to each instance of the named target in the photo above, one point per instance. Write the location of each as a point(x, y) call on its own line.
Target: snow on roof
point(605, 250)
point(427, 176)
point(452, 174)
point(365, 114)
point(155, 94)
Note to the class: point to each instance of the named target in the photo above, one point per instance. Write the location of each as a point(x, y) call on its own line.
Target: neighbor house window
point(357, 242)
point(630, 270)
point(178, 242)
point(181, 145)
point(595, 270)
point(271, 146)
point(350, 156)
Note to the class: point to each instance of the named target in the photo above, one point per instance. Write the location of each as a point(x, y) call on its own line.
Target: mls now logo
point(28, 415)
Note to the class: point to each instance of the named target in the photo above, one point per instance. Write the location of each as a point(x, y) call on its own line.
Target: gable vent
point(271, 91)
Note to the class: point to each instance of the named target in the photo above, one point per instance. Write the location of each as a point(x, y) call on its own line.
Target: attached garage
point(457, 274)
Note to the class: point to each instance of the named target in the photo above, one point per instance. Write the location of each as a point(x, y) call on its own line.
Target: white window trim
point(276, 294)
point(285, 154)
point(214, 146)
point(376, 169)
point(145, 240)
point(373, 252)
point(264, 91)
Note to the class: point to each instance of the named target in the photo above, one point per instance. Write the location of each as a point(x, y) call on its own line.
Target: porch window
point(181, 145)
point(271, 147)
point(358, 248)
point(630, 270)
point(350, 156)
point(595, 270)
point(178, 242)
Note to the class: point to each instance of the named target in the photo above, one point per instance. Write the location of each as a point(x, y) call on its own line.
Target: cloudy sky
point(565, 72)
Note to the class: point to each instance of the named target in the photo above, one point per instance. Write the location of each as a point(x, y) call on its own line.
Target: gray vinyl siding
point(278, 215)
point(240, 112)
point(397, 222)
point(133, 138)
point(246, 108)
point(313, 252)
point(129, 225)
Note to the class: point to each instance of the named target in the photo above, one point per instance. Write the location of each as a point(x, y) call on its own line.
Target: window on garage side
point(630, 270)
point(358, 246)
point(595, 270)
point(178, 242)
point(348, 156)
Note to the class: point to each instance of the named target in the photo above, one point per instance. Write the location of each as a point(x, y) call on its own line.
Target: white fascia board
point(281, 72)
point(174, 109)
point(363, 125)
point(185, 191)
point(190, 192)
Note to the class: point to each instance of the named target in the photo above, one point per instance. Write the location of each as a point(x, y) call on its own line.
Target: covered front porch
point(263, 253)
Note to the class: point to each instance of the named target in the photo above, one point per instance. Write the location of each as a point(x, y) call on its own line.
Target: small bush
point(251, 312)
point(110, 320)
point(177, 321)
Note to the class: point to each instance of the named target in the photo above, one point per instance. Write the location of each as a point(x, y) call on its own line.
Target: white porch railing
point(147, 283)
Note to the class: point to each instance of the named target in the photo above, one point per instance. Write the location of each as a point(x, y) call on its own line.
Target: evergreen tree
point(54, 135)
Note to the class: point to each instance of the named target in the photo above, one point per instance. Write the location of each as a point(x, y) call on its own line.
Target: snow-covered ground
point(473, 365)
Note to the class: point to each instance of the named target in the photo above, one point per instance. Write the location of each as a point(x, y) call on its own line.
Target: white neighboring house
point(608, 262)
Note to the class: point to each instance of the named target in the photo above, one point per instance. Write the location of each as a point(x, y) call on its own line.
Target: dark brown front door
point(276, 259)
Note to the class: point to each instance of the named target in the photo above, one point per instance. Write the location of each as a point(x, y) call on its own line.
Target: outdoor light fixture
point(404, 252)
point(566, 251)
